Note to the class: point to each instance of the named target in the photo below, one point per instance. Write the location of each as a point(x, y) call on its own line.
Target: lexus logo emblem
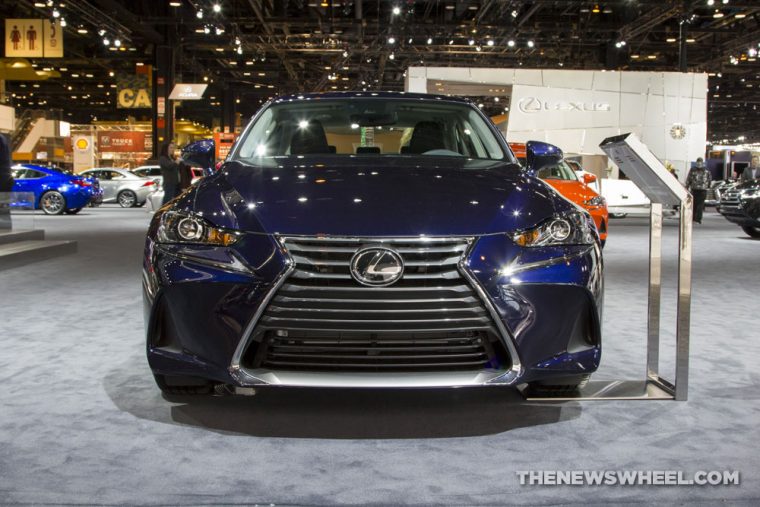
point(376, 266)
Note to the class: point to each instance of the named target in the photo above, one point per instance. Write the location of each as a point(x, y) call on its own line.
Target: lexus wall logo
point(532, 105)
point(376, 266)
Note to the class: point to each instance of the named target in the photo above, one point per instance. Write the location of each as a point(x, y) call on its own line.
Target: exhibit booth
point(577, 109)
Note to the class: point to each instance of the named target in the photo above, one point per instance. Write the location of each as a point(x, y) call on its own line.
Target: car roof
point(44, 169)
point(372, 95)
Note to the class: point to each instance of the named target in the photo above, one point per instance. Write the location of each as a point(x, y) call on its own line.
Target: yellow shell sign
point(82, 143)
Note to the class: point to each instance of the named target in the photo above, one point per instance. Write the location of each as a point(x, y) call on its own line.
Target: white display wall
point(577, 109)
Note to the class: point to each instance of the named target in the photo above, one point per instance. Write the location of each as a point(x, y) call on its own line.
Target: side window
point(31, 173)
point(113, 175)
point(19, 174)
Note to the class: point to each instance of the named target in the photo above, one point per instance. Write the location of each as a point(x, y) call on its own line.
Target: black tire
point(559, 386)
point(72, 211)
point(183, 386)
point(52, 203)
point(127, 199)
point(751, 231)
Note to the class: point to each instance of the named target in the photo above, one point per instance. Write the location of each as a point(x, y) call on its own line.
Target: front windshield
point(561, 171)
point(370, 127)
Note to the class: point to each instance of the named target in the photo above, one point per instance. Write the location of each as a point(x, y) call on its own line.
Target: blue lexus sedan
point(56, 192)
point(373, 240)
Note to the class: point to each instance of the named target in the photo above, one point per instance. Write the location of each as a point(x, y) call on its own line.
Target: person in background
point(698, 181)
point(753, 171)
point(169, 171)
point(6, 183)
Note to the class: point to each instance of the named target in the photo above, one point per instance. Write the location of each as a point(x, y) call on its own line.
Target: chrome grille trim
point(474, 310)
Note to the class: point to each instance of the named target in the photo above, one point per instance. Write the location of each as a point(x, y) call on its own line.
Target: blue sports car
point(56, 192)
point(373, 240)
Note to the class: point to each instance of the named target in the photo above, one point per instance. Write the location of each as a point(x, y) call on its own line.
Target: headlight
point(750, 192)
point(567, 229)
point(595, 201)
point(187, 228)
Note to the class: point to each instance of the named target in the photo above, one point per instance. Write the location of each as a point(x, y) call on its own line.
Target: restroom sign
point(33, 38)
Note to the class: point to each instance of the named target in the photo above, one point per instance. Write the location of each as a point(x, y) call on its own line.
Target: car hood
point(573, 190)
point(374, 196)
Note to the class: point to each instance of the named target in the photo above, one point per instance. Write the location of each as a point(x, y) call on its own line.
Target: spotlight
point(63, 23)
point(514, 14)
point(531, 43)
point(471, 42)
point(392, 56)
point(237, 41)
point(490, 42)
point(711, 2)
point(240, 50)
point(511, 43)
point(391, 40)
point(117, 43)
point(106, 42)
point(199, 14)
point(56, 13)
point(430, 40)
point(217, 8)
point(396, 11)
point(217, 31)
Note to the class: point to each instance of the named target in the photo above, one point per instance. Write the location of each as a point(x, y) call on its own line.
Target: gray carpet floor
point(81, 421)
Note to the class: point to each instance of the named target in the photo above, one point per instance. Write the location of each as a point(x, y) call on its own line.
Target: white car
point(122, 186)
point(157, 197)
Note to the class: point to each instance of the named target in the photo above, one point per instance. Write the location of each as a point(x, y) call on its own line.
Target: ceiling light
point(106, 42)
point(471, 42)
point(430, 40)
point(217, 8)
point(56, 13)
point(725, 2)
point(670, 39)
point(490, 42)
point(741, 15)
point(396, 11)
point(531, 43)
point(111, 73)
point(511, 43)
point(237, 41)
point(691, 40)
point(752, 52)
point(391, 40)
point(595, 10)
point(345, 54)
point(240, 50)
point(175, 4)
point(514, 14)
point(652, 57)
point(117, 43)
point(717, 14)
point(82, 30)
point(451, 41)
point(63, 23)
point(199, 14)
point(710, 2)
point(392, 56)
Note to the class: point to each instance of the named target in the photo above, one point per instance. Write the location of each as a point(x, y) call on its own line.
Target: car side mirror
point(540, 155)
point(201, 154)
point(588, 179)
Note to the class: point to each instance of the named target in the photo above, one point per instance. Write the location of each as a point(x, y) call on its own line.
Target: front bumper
point(203, 305)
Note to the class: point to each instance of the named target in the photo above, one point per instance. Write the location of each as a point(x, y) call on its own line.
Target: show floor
point(82, 422)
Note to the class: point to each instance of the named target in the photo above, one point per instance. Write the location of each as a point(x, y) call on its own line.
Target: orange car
point(566, 182)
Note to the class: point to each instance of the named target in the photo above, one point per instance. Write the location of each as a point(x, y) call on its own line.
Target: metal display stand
point(663, 189)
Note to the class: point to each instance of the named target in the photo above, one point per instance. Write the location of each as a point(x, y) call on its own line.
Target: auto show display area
point(83, 422)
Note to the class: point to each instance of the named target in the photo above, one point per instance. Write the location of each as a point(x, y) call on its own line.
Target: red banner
point(121, 141)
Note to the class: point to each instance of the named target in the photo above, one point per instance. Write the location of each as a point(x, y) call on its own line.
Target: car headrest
point(427, 135)
point(310, 139)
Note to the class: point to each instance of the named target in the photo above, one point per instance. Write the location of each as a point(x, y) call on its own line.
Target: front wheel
point(52, 203)
point(73, 211)
point(126, 199)
point(752, 231)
